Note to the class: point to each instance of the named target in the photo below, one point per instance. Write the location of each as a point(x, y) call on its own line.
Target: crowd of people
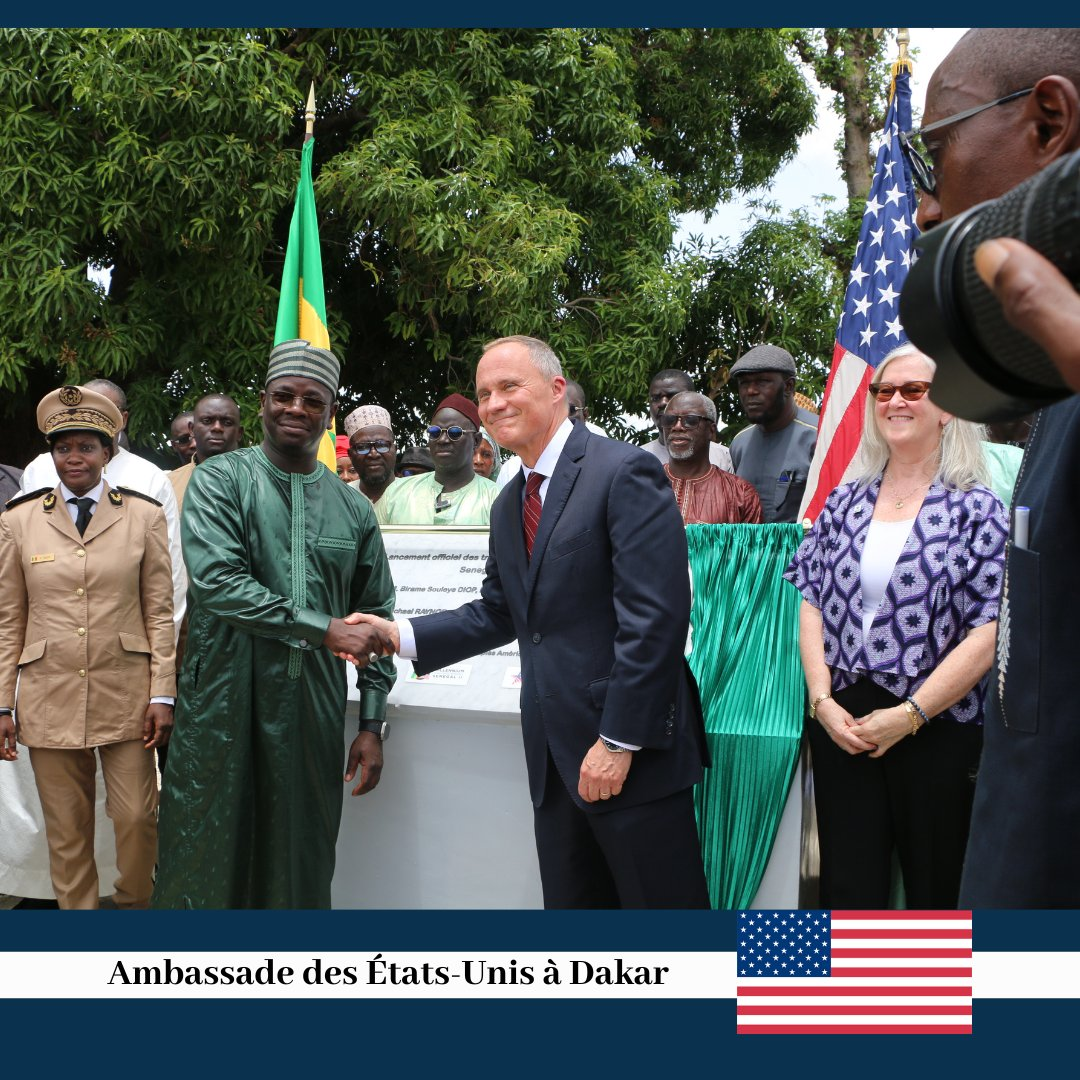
point(254, 572)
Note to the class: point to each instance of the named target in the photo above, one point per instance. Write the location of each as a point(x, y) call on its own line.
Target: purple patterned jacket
point(946, 582)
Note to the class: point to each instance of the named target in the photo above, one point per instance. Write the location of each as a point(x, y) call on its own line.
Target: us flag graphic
point(854, 972)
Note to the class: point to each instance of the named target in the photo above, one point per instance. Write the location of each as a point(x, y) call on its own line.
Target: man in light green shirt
point(454, 494)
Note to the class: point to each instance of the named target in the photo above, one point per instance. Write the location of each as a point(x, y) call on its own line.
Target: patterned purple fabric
point(946, 582)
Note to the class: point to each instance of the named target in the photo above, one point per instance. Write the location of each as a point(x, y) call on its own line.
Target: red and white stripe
point(893, 973)
point(839, 428)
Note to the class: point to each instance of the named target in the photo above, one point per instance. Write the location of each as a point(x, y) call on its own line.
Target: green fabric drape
point(745, 658)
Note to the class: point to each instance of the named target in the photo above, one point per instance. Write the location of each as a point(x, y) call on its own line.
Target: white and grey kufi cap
point(367, 416)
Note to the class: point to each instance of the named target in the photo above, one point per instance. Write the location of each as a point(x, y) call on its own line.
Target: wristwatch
point(613, 747)
point(377, 727)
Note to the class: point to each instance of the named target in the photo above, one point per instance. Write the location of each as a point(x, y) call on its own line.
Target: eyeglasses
point(365, 448)
point(923, 171)
point(909, 391)
point(689, 421)
point(442, 503)
point(284, 400)
point(181, 440)
point(453, 433)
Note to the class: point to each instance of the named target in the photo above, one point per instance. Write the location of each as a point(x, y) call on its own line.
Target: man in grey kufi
point(301, 358)
point(774, 452)
point(278, 552)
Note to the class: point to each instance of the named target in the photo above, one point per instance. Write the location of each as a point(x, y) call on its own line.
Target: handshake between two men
point(362, 639)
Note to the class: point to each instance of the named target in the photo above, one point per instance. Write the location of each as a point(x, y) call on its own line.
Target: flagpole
point(302, 306)
point(869, 324)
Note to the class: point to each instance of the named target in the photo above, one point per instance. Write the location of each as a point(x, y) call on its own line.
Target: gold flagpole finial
point(902, 61)
point(309, 114)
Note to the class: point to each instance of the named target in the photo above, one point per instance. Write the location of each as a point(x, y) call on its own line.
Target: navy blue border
point(488, 13)
point(624, 1039)
point(481, 1039)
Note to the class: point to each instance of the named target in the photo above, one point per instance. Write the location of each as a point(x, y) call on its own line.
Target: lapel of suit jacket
point(559, 488)
point(507, 518)
point(59, 517)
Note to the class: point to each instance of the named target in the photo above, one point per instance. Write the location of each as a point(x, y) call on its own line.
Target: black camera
point(986, 370)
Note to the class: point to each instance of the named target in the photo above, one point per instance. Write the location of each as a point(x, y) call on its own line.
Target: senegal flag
point(302, 308)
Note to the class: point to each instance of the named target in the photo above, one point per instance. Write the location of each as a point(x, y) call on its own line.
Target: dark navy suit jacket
point(600, 614)
point(1025, 825)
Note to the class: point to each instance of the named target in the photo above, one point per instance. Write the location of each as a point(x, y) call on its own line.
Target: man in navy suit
point(612, 725)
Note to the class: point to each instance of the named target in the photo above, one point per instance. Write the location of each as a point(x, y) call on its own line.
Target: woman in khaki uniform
point(86, 629)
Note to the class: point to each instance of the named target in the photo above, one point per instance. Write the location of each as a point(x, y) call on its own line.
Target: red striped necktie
point(533, 506)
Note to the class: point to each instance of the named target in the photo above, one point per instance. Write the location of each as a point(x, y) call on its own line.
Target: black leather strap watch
point(377, 727)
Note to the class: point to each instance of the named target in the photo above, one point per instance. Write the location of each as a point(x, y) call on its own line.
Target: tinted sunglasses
point(309, 403)
point(909, 391)
point(453, 433)
point(365, 448)
point(690, 420)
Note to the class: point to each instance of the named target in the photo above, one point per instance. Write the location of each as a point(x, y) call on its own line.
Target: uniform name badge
point(42, 558)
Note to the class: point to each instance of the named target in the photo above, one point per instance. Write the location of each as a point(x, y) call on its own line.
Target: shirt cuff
point(308, 628)
point(407, 651)
point(170, 701)
point(372, 704)
point(617, 742)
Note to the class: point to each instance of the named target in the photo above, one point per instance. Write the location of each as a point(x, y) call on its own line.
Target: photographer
point(1005, 105)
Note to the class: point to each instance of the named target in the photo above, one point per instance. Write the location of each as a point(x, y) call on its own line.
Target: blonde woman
point(900, 579)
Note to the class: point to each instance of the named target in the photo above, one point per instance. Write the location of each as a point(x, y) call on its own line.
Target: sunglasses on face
point(181, 440)
point(365, 448)
point(453, 433)
point(283, 400)
point(909, 391)
point(690, 420)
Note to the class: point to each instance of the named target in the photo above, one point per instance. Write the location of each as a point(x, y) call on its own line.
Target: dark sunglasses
point(181, 440)
point(365, 448)
point(922, 171)
point(283, 400)
point(453, 433)
point(690, 420)
point(909, 391)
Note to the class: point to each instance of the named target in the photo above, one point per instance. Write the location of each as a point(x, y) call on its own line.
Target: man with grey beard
point(705, 493)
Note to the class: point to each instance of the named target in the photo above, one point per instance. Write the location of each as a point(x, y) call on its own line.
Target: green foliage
point(838, 56)
point(470, 183)
point(783, 283)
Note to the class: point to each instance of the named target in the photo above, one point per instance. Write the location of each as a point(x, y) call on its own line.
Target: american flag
point(870, 322)
point(854, 972)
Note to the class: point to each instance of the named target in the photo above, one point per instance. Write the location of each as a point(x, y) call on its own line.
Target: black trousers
point(916, 798)
point(643, 856)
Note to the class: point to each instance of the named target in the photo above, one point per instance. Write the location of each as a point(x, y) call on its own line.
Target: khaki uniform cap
point(73, 408)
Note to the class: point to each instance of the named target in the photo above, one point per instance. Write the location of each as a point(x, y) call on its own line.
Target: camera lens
point(986, 370)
